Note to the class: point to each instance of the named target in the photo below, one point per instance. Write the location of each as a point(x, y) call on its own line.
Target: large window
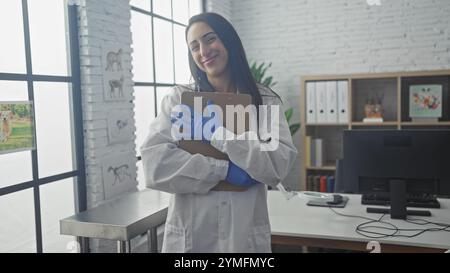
point(160, 57)
point(41, 186)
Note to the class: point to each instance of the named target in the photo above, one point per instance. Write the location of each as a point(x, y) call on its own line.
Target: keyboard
point(412, 200)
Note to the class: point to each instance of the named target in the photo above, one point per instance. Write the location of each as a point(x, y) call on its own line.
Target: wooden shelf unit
point(359, 85)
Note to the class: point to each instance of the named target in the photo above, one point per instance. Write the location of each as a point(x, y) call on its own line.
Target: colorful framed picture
point(425, 101)
point(16, 126)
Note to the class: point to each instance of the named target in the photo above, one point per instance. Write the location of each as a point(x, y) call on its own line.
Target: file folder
point(332, 104)
point(342, 101)
point(311, 102)
point(321, 104)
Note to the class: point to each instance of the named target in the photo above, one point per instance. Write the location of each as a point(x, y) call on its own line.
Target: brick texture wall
point(103, 25)
point(304, 37)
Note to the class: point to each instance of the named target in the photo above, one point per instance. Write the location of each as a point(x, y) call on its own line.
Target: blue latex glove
point(201, 121)
point(238, 176)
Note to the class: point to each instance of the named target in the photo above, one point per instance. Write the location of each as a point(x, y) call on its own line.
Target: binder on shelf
point(311, 102)
point(342, 91)
point(321, 102)
point(331, 87)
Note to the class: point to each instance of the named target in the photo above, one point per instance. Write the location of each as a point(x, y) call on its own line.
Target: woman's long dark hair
point(238, 66)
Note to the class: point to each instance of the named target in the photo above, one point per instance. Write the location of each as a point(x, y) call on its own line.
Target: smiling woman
point(208, 53)
point(201, 217)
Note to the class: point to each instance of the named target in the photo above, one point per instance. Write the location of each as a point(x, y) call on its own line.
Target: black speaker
point(398, 199)
point(338, 176)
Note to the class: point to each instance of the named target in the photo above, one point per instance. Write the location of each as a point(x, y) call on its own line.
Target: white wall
point(302, 37)
point(104, 23)
point(223, 7)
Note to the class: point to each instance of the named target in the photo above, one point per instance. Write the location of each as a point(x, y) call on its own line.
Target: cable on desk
point(363, 228)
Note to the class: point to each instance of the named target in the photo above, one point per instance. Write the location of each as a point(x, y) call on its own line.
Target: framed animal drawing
point(119, 174)
point(115, 85)
point(120, 126)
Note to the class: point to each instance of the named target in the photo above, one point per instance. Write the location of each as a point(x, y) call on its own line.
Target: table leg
point(152, 240)
point(123, 246)
point(84, 244)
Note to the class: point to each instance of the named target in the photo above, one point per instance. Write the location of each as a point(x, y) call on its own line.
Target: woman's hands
point(238, 176)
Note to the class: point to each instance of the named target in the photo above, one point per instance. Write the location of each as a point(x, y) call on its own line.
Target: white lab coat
point(200, 220)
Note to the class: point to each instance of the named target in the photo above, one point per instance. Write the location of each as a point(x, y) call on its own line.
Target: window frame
point(155, 84)
point(74, 82)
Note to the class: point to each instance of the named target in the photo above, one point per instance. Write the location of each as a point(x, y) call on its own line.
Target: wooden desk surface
point(295, 223)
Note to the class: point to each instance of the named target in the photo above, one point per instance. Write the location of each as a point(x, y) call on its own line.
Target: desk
point(120, 219)
point(295, 223)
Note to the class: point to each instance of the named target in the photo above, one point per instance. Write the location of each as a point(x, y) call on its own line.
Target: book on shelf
point(314, 154)
point(330, 183)
point(310, 183)
point(320, 183)
point(318, 146)
point(323, 183)
point(316, 183)
point(308, 151)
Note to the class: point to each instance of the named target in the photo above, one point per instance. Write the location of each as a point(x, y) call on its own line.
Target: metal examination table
point(121, 220)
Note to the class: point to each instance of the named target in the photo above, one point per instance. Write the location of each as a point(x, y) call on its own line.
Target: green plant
point(259, 73)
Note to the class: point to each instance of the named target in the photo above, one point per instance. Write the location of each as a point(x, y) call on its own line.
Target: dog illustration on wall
point(120, 173)
point(5, 125)
point(114, 59)
point(116, 84)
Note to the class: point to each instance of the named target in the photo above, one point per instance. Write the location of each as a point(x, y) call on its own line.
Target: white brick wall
point(103, 22)
point(222, 7)
point(302, 37)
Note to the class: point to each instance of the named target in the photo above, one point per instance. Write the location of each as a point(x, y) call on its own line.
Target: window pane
point(12, 53)
point(161, 92)
point(182, 72)
point(13, 91)
point(162, 7)
point(141, 29)
point(142, 4)
point(195, 7)
point(181, 11)
point(163, 51)
point(17, 228)
point(57, 202)
point(15, 168)
point(48, 37)
point(144, 107)
point(53, 128)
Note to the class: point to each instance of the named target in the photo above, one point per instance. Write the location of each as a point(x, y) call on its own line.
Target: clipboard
point(198, 146)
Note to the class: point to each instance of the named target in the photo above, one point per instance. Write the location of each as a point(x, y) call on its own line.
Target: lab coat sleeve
point(171, 169)
point(267, 166)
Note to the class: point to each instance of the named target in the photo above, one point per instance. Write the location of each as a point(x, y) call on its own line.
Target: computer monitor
point(374, 158)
